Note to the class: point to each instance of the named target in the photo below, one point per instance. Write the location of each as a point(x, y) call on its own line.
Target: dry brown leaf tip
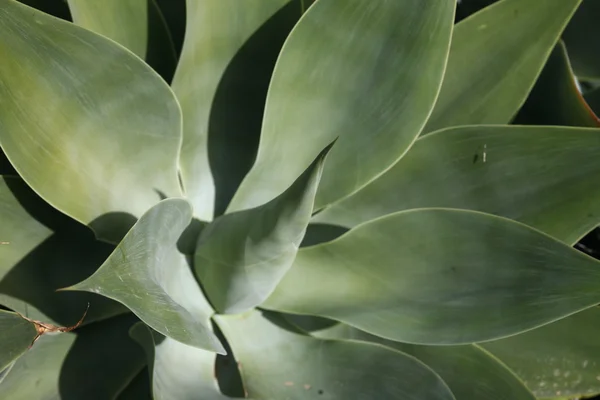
point(43, 327)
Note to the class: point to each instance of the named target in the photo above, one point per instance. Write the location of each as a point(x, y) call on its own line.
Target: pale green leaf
point(242, 256)
point(89, 126)
point(215, 32)
point(469, 371)
point(16, 335)
point(531, 174)
point(367, 72)
point(148, 274)
point(124, 21)
point(559, 359)
point(277, 362)
point(495, 58)
point(440, 276)
point(178, 371)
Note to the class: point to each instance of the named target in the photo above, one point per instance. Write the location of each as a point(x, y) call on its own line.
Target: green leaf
point(177, 371)
point(584, 52)
point(277, 362)
point(530, 174)
point(148, 275)
point(215, 32)
point(136, 24)
point(96, 363)
point(495, 58)
point(340, 53)
point(559, 359)
point(20, 233)
point(16, 335)
point(469, 371)
point(440, 276)
point(124, 21)
point(77, 142)
point(555, 98)
point(241, 257)
point(36, 262)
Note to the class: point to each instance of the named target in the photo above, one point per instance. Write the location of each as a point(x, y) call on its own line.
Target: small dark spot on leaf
point(320, 391)
point(475, 158)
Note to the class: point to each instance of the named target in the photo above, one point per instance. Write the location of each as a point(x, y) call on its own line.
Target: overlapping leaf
point(578, 35)
point(349, 69)
point(532, 174)
point(470, 372)
point(242, 256)
point(97, 362)
point(74, 108)
point(216, 32)
point(440, 276)
point(277, 362)
point(495, 58)
point(557, 360)
point(147, 274)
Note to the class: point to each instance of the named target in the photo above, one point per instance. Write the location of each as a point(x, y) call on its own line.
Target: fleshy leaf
point(215, 32)
point(469, 371)
point(555, 99)
point(495, 58)
point(557, 360)
point(90, 147)
point(367, 72)
point(124, 21)
point(242, 256)
point(530, 174)
point(147, 274)
point(177, 371)
point(96, 363)
point(277, 362)
point(16, 335)
point(440, 276)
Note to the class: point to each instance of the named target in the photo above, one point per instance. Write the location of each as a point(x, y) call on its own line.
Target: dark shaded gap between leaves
point(140, 388)
point(174, 14)
point(237, 109)
point(57, 8)
point(321, 233)
point(227, 371)
point(160, 48)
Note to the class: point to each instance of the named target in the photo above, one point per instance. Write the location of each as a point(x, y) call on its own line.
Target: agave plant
point(337, 199)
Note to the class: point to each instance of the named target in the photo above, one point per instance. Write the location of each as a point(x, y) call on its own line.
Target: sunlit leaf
point(531, 174)
point(495, 58)
point(74, 111)
point(277, 362)
point(147, 274)
point(440, 276)
point(242, 256)
point(353, 70)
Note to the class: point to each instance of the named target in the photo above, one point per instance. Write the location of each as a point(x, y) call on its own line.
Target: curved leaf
point(469, 371)
point(278, 363)
point(495, 58)
point(440, 276)
point(242, 256)
point(340, 53)
point(530, 174)
point(77, 142)
point(215, 32)
point(124, 21)
point(147, 274)
point(96, 363)
point(555, 99)
point(16, 335)
point(559, 359)
point(583, 51)
point(177, 371)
